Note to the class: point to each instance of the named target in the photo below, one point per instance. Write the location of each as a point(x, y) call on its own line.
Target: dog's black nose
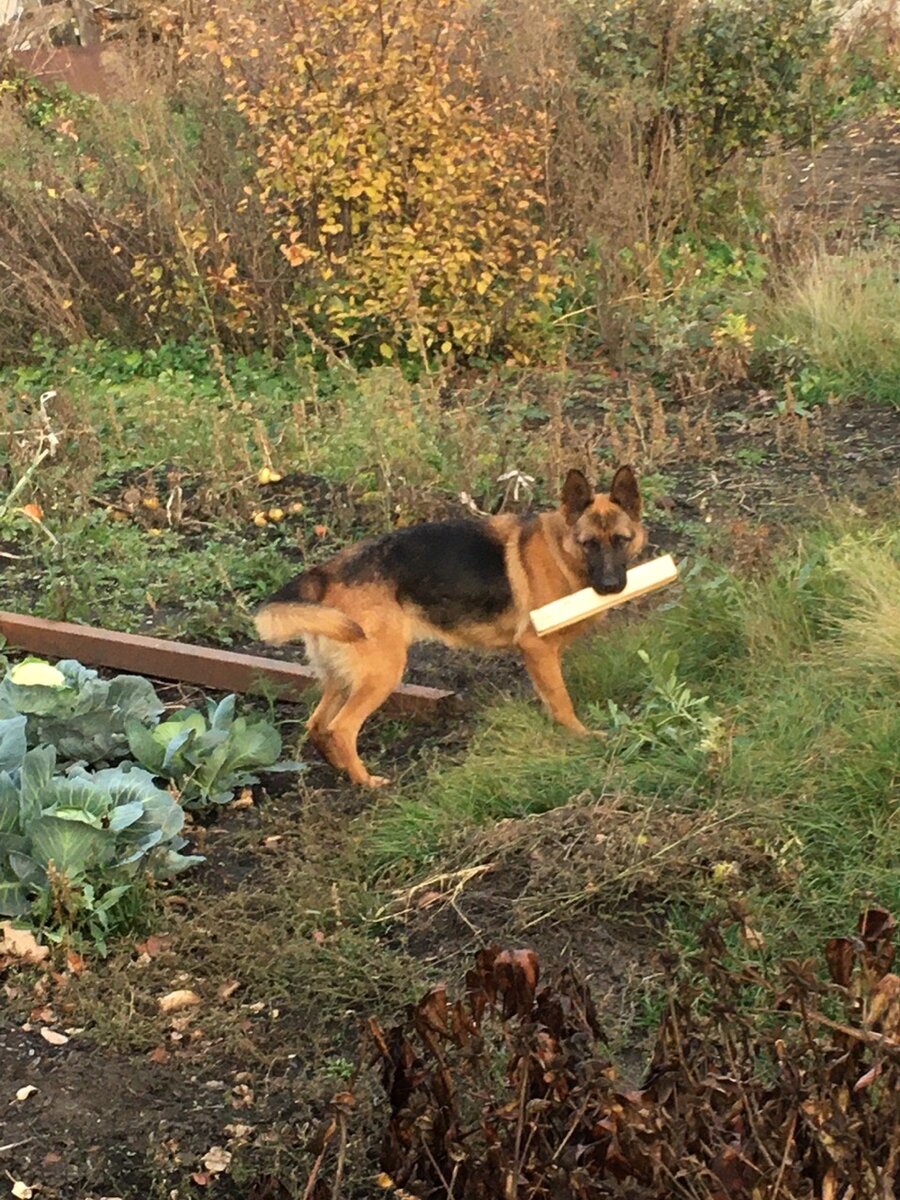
point(609, 589)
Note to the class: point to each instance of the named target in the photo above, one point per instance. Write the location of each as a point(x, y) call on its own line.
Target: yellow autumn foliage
point(408, 202)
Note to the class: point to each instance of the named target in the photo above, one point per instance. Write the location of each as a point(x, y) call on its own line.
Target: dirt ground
point(270, 932)
point(856, 175)
point(133, 1102)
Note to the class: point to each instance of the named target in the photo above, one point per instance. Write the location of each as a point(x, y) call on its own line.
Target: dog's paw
point(583, 731)
point(376, 781)
point(577, 728)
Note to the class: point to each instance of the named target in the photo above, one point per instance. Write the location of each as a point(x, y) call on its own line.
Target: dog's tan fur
point(357, 620)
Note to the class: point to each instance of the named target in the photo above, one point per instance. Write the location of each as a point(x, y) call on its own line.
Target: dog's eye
point(622, 539)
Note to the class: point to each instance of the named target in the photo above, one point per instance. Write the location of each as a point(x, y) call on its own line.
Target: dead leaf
point(159, 1055)
point(244, 800)
point(54, 1038)
point(875, 925)
point(242, 1096)
point(754, 939)
point(24, 1092)
point(75, 962)
point(21, 1190)
point(178, 1000)
point(228, 988)
point(51, 1158)
point(318, 937)
point(840, 956)
point(884, 1006)
point(516, 974)
point(33, 512)
point(238, 1132)
point(216, 1160)
point(201, 1178)
point(153, 946)
point(432, 1009)
point(870, 1076)
point(829, 1185)
point(21, 944)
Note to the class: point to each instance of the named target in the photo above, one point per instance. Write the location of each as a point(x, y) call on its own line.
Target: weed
point(503, 1089)
point(670, 717)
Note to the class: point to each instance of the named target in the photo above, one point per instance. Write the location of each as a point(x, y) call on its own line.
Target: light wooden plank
point(205, 666)
point(579, 606)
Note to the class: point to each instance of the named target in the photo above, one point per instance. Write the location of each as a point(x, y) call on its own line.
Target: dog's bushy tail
point(278, 622)
point(297, 610)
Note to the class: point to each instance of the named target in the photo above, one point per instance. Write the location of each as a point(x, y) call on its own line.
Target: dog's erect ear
point(626, 493)
point(577, 494)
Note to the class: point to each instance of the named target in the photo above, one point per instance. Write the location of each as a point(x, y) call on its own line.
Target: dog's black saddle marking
point(453, 571)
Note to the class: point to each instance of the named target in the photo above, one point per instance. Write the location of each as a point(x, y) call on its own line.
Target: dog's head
point(605, 531)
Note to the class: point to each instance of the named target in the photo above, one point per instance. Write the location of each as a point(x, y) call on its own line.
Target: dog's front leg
point(544, 664)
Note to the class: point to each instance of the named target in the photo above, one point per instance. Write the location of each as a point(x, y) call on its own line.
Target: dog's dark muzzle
point(609, 587)
point(606, 575)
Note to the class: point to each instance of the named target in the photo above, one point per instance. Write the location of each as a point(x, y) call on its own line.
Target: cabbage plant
point(82, 841)
point(70, 707)
point(208, 756)
point(77, 842)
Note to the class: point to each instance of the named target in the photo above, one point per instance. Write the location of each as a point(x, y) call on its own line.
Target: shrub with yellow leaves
point(409, 203)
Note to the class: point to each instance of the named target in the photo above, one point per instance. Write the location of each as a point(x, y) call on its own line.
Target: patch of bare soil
point(854, 179)
point(95, 1117)
point(773, 468)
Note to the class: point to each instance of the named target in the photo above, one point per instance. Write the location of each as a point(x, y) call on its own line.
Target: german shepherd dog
point(464, 582)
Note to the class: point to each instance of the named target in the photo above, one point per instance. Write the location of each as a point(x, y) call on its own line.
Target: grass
point(841, 314)
point(740, 713)
point(357, 452)
point(222, 417)
point(126, 578)
point(749, 760)
point(322, 967)
point(793, 665)
point(133, 427)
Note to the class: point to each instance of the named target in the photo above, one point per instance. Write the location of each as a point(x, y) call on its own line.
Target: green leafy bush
point(671, 716)
point(73, 847)
point(719, 78)
point(207, 757)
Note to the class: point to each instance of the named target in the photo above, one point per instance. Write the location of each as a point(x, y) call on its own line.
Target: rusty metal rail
point(159, 658)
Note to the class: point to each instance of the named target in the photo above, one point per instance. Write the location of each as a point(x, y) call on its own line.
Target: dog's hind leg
point(329, 663)
point(333, 696)
point(374, 681)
